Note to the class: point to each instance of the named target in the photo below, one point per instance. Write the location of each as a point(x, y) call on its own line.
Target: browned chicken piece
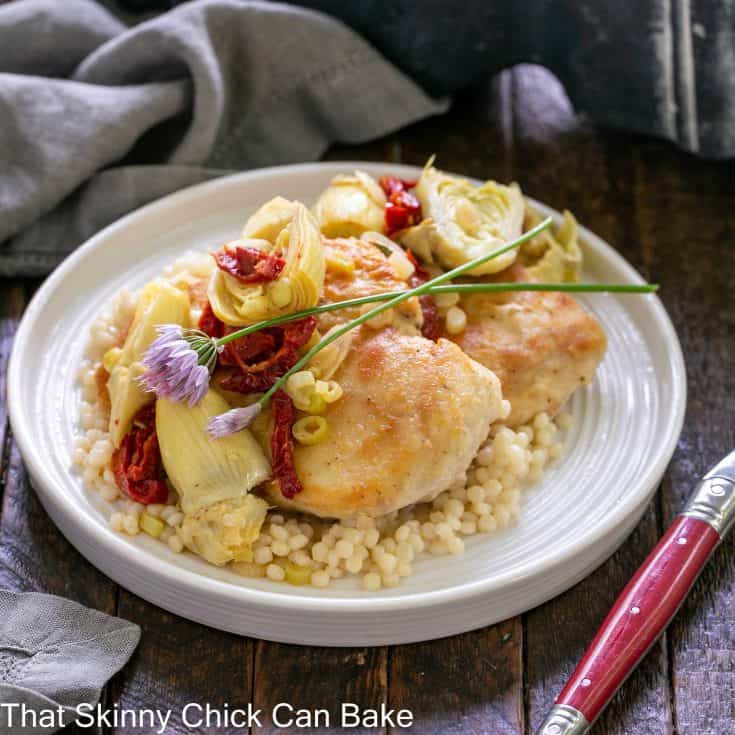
point(542, 346)
point(413, 415)
point(357, 268)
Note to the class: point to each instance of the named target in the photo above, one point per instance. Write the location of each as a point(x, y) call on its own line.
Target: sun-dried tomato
point(431, 327)
point(259, 359)
point(137, 464)
point(402, 208)
point(249, 265)
point(284, 469)
point(209, 323)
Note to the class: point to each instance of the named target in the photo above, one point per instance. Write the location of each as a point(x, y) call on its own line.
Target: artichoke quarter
point(462, 221)
point(213, 478)
point(283, 227)
point(552, 256)
point(159, 303)
point(350, 205)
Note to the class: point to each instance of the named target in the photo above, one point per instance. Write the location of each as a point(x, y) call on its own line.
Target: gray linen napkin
point(55, 654)
point(97, 118)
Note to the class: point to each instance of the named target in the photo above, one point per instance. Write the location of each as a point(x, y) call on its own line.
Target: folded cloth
point(55, 655)
point(98, 118)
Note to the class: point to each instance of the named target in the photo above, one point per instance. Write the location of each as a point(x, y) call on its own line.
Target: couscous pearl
point(130, 525)
point(502, 516)
point(300, 557)
point(402, 533)
point(263, 556)
point(388, 563)
point(280, 548)
point(456, 320)
point(275, 572)
point(443, 530)
point(476, 494)
point(344, 549)
point(371, 581)
point(486, 524)
point(391, 580)
point(482, 509)
point(405, 551)
point(418, 543)
point(319, 551)
point(353, 564)
point(279, 533)
point(543, 438)
point(320, 578)
point(372, 536)
point(298, 541)
point(455, 545)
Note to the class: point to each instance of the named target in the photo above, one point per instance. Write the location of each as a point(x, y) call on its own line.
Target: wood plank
point(315, 678)
point(687, 223)
point(33, 553)
point(469, 684)
point(472, 682)
point(12, 302)
point(565, 162)
point(179, 662)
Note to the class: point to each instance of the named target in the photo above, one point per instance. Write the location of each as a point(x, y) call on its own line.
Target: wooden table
point(673, 217)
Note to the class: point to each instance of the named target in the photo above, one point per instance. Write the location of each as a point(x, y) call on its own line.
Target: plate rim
point(51, 491)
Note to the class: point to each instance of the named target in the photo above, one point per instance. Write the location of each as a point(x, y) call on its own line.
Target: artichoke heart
point(351, 205)
point(284, 228)
point(225, 532)
point(159, 303)
point(552, 256)
point(463, 221)
point(203, 470)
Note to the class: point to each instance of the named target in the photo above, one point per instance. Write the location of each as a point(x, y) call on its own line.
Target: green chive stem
point(400, 298)
point(460, 288)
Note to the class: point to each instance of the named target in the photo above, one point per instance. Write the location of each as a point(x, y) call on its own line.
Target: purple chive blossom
point(178, 364)
point(233, 421)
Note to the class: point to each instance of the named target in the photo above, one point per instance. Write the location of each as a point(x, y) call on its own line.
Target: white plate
point(625, 429)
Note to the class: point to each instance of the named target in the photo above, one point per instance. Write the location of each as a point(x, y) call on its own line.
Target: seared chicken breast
point(356, 268)
point(541, 345)
point(412, 417)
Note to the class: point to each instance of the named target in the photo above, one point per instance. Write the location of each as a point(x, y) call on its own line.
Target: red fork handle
point(647, 603)
point(640, 615)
